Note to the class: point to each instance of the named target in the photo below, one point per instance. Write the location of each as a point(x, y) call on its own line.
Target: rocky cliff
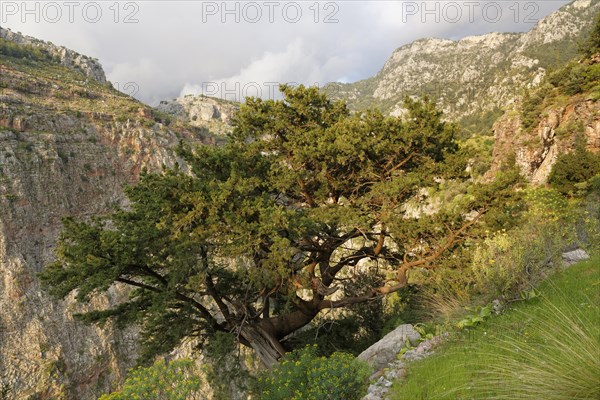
point(68, 144)
point(537, 149)
point(475, 74)
point(202, 111)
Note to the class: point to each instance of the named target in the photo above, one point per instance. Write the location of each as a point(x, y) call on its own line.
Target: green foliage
point(5, 391)
point(425, 333)
point(56, 367)
point(511, 262)
point(471, 320)
point(223, 366)
point(161, 117)
point(575, 78)
point(479, 124)
point(445, 298)
point(570, 79)
point(173, 380)
point(554, 54)
point(532, 106)
point(570, 129)
point(574, 168)
point(592, 45)
point(359, 326)
point(12, 49)
point(587, 226)
point(303, 375)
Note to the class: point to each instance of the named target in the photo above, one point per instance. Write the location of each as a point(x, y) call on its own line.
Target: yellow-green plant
point(444, 302)
point(514, 261)
point(174, 381)
point(303, 375)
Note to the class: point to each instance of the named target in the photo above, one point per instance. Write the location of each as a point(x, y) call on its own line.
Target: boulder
point(574, 256)
point(384, 351)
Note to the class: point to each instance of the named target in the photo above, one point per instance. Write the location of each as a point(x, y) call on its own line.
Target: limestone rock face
point(536, 150)
point(202, 111)
point(69, 58)
point(475, 74)
point(384, 351)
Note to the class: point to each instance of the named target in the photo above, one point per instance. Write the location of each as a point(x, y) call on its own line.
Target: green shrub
point(571, 79)
point(12, 49)
point(573, 168)
point(588, 222)
point(570, 128)
point(533, 104)
point(479, 123)
point(173, 381)
point(303, 375)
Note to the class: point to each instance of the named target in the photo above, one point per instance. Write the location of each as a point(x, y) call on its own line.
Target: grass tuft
point(544, 348)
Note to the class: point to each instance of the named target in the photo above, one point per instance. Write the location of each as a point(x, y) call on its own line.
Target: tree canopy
point(256, 237)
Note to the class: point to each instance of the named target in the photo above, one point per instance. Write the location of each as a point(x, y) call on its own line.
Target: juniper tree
point(262, 233)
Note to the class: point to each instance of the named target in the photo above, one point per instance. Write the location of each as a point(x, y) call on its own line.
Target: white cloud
point(260, 76)
point(125, 77)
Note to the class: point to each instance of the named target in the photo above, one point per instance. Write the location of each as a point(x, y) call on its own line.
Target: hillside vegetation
point(545, 347)
point(546, 341)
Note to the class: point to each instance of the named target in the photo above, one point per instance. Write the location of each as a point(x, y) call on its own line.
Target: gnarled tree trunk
point(265, 345)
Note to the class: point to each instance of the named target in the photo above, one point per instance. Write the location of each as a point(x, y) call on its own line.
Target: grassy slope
point(458, 370)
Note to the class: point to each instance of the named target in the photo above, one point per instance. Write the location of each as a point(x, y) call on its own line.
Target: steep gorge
point(68, 145)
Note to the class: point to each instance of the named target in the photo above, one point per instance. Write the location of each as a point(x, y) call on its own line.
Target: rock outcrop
point(383, 379)
point(202, 111)
point(537, 149)
point(384, 351)
point(573, 257)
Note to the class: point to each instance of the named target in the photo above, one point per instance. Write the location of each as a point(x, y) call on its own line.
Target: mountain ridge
point(490, 70)
point(89, 66)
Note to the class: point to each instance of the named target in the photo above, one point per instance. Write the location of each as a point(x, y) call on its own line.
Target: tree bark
point(265, 345)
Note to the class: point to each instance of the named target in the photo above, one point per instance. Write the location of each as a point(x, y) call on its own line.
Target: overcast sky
point(163, 49)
